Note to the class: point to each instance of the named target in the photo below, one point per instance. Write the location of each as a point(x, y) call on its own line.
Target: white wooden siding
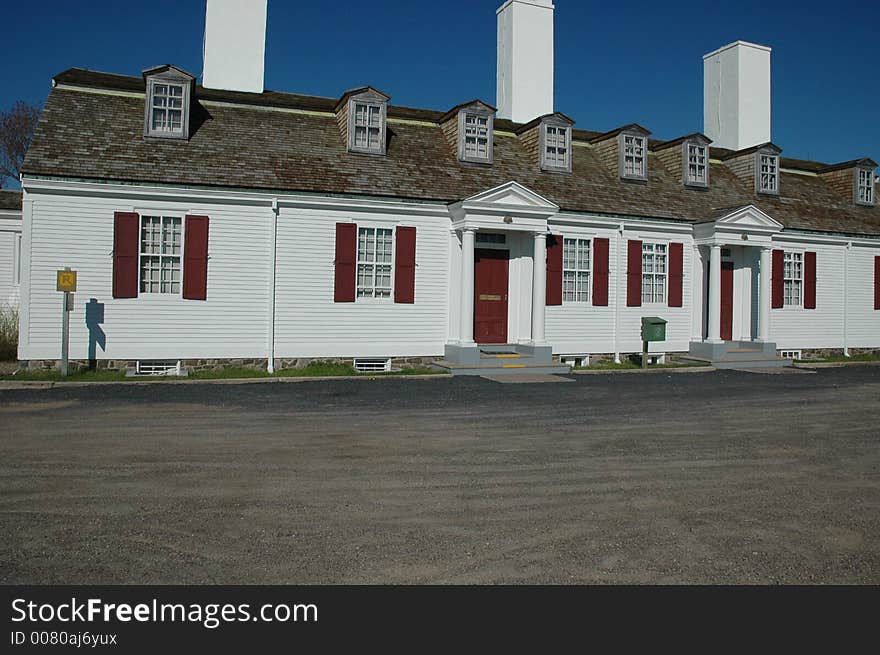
point(863, 321)
point(798, 328)
point(78, 232)
point(10, 234)
point(310, 324)
point(574, 328)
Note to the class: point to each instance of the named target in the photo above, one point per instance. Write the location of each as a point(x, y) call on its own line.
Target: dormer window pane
point(697, 167)
point(633, 156)
point(866, 187)
point(476, 136)
point(368, 127)
point(556, 147)
point(167, 108)
point(769, 174)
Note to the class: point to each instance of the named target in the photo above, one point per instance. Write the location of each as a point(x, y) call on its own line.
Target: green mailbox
point(653, 328)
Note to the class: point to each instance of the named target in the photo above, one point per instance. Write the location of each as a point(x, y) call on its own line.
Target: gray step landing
point(736, 355)
point(502, 367)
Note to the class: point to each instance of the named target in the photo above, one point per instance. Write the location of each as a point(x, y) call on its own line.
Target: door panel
point(727, 301)
point(490, 296)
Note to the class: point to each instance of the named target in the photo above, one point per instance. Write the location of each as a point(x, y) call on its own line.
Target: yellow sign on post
point(66, 281)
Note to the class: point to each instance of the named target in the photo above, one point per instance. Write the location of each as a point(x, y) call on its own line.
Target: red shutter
point(809, 280)
point(600, 272)
point(195, 258)
point(126, 247)
point(876, 282)
point(676, 274)
point(346, 262)
point(554, 269)
point(778, 288)
point(634, 273)
point(405, 265)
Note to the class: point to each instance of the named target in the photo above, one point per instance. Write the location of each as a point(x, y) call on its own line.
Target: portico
point(499, 243)
point(733, 281)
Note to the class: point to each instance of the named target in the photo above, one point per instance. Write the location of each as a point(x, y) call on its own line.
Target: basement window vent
point(576, 361)
point(157, 368)
point(792, 354)
point(372, 365)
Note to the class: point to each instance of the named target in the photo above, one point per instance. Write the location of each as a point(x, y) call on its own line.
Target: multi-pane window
point(633, 156)
point(556, 154)
point(367, 127)
point(653, 272)
point(768, 174)
point(160, 254)
point(476, 137)
point(697, 165)
point(865, 191)
point(792, 279)
point(166, 111)
point(576, 270)
point(374, 254)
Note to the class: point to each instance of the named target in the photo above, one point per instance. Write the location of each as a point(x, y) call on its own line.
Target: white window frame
point(578, 294)
point(649, 248)
point(771, 188)
point(167, 80)
point(463, 117)
point(361, 260)
point(701, 161)
point(559, 140)
point(793, 285)
point(865, 191)
point(634, 148)
point(162, 216)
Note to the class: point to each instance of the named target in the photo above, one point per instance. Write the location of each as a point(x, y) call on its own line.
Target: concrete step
point(502, 367)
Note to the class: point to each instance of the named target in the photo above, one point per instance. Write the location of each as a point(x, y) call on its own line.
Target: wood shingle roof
point(237, 143)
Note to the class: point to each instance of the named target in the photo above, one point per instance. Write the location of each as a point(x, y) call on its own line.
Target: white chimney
point(235, 45)
point(525, 59)
point(736, 95)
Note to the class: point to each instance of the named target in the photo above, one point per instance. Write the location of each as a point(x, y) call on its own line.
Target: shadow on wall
point(94, 319)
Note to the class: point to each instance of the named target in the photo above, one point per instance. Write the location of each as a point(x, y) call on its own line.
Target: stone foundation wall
point(216, 364)
point(823, 353)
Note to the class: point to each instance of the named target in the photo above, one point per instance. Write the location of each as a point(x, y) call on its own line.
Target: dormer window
point(477, 137)
point(361, 114)
point(555, 143)
point(864, 186)
point(767, 178)
point(168, 93)
point(634, 156)
point(557, 147)
point(696, 164)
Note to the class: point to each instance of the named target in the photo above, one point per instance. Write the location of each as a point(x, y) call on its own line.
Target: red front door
point(490, 296)
point(727, 301)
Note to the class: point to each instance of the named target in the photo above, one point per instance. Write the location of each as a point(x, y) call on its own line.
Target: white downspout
point(270, 336)
point(617, 294)
point(845, 295)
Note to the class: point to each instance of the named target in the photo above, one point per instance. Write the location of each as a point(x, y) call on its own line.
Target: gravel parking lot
point(723, 477)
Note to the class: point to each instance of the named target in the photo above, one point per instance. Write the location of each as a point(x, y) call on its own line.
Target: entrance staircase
point(504, 359)
point(739, 355)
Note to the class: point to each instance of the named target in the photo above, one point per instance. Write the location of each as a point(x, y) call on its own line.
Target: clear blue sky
point(617, 62)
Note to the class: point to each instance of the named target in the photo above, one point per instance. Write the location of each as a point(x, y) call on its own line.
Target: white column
point(468, 238)
point(764, 294)
point(714, 294)
point(539, 289)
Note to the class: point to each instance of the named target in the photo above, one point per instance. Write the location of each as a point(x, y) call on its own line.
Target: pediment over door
point(512, 205)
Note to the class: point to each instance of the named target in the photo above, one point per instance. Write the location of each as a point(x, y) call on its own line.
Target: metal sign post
point(66, 283)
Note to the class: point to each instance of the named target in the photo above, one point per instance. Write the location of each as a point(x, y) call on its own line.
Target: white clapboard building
point(218, 221)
